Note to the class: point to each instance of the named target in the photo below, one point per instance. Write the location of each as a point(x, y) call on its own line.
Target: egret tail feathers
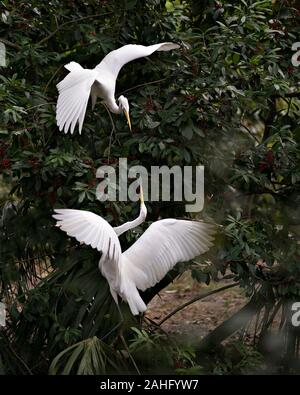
point(130, 293)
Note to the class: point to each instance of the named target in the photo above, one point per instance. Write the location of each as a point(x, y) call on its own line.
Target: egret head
point(124, 106)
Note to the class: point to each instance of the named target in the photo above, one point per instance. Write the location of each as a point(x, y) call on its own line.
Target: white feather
point(75, 88)
point(74, 91)
point(115, 60)
point(165, 243)
point(148, 260)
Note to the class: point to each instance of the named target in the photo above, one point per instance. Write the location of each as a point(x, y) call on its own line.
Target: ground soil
point(199, 318)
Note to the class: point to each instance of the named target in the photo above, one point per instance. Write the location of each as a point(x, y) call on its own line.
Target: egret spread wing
point(90, 229)
point(115, 60)
point(74, 91)
point(165, 243)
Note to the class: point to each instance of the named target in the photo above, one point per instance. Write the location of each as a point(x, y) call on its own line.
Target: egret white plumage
point(79, 84)
point(148, 260)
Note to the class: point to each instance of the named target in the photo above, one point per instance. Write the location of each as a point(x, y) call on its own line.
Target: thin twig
point(69, 23)
point(270, 118)
point(140, 85)
point(195, 299)
point(275, 311)
point(285, 95)
point(113, 130)
point(155, 325)
point(20, 359)
point(251, 133)
point(129, 354)
point(39, 105)
point(51, 79)
point(10, 44)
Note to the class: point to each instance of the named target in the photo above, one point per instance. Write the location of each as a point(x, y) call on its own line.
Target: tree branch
point(230, 326)
point(151, 292)
point(250, 133)
point(10, 44)
point(141, 85)
point(272, 111)
point(195, 299)
point(69, 23)
point(16, 46)
point(270, 118)
point(289, 95)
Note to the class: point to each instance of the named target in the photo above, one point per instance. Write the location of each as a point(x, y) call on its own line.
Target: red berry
point(191, 98)
point(262, 167)
point(5, 164)
point(270, 157)
point(149, 104)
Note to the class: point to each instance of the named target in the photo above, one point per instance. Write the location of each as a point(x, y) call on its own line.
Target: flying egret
point(148, 260)
point(79, 84)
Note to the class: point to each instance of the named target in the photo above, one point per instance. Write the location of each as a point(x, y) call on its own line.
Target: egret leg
point(116, 326)
point(113, 130)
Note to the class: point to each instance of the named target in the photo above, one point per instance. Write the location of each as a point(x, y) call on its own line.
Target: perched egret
point(79, 84)
point(148, 260)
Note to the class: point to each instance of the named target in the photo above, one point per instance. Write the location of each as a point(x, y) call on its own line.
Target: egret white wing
point(74, 91)
point(165, 243)
point(115, 60)
point(90, 229)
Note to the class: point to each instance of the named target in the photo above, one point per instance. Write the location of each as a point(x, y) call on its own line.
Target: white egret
point(79, 84)
point(148, 260)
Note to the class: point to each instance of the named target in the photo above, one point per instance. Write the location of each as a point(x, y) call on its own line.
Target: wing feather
point(165, 243)
point(82, 114)
point(115, 60)
point(74, 91)
point(90, 229)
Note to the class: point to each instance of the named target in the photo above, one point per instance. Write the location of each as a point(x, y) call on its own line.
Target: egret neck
point(123, 106)
point(136, 222)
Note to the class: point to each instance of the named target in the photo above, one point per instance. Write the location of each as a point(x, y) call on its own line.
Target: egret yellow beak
point(128, 119)
point(141, 194)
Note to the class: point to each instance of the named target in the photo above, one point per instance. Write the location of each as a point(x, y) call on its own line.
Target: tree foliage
point(229, 99)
